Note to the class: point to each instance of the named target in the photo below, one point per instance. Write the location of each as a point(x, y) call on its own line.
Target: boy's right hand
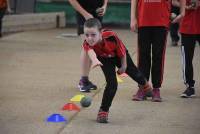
point(96, 63)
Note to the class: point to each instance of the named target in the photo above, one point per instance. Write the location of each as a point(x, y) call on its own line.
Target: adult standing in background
point(86, 9)
point(190, 34)
point(151, 18)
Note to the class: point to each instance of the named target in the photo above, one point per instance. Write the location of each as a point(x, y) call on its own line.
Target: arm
point(8, 6)
point(93, 57)
point(80, 9)
point(122, 69)
point(182, 4)
point(133, 23)
point(102, 10)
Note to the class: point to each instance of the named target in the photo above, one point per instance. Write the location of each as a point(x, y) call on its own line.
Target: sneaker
point(92, 86)
point(139, 96)
point(143, 92)
point(156, 95)
point(86, 86)
point(83, 86)
point(102, 117)
point(189, 92)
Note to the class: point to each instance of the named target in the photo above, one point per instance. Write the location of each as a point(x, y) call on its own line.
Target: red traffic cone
point(71, 107)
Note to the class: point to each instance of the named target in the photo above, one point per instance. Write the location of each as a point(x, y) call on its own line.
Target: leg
point(136, 75)
point(158, 59)
point(80, 22)
point(174, 27)
point(132, 70)
point(84, 84)
point(174, 34)
point(108, 69)
point(158, 55)
point(144, 51)
point(187, 51)
point(85, 63)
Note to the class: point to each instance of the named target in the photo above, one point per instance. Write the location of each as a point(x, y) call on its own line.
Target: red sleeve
point(121, 50)
point(86, 47)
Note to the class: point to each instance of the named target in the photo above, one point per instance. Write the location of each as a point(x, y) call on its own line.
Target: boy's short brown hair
point(93, 22)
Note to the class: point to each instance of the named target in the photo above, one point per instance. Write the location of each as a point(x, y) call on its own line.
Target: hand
point(96, 63)
point(101, 11)
point(177, 19)
point(121, 70)
point(88, 16)
point(133, 25)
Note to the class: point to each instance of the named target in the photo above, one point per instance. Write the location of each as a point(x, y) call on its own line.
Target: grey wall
point(23, 6)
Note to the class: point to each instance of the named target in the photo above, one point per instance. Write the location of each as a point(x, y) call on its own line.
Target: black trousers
point(2, 13)
point(108, 68)
point(151, 53)
point(188, 42)
point(174, 32)
point(174, 26)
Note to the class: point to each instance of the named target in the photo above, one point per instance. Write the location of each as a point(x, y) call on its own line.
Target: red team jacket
point(110, 46)
point(190, 24)
point(3, 3)
point(154, 13)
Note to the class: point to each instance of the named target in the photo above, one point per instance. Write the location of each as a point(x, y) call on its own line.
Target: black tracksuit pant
point(151, 53)
point(188, 42)
point(174, 26)
point(108, 68)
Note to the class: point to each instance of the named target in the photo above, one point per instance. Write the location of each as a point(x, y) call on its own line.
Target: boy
point(86, 9)
point(152, 30)
point(190, 33)
point(110, 52)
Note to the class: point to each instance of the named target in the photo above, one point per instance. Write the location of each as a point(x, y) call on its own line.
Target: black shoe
point(189, 92)
point(92, 86)
point(86, 86)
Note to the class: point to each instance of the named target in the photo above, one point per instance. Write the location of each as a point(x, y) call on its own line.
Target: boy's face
point(92, 35)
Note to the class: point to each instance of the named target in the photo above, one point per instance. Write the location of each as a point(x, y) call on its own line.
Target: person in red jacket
point(4, 5)
point(111, 53)
point(190, 34)
point(151, 18)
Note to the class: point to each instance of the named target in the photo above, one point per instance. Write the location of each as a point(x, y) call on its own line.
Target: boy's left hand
point(121, 70)
point(96, 63)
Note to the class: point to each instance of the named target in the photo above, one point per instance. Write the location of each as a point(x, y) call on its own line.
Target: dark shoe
point(92, 86)
point(156, 95)
point(143, 92)
point(188, 93)
point(86, 86)
point(102, 116)
point(139, 96)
